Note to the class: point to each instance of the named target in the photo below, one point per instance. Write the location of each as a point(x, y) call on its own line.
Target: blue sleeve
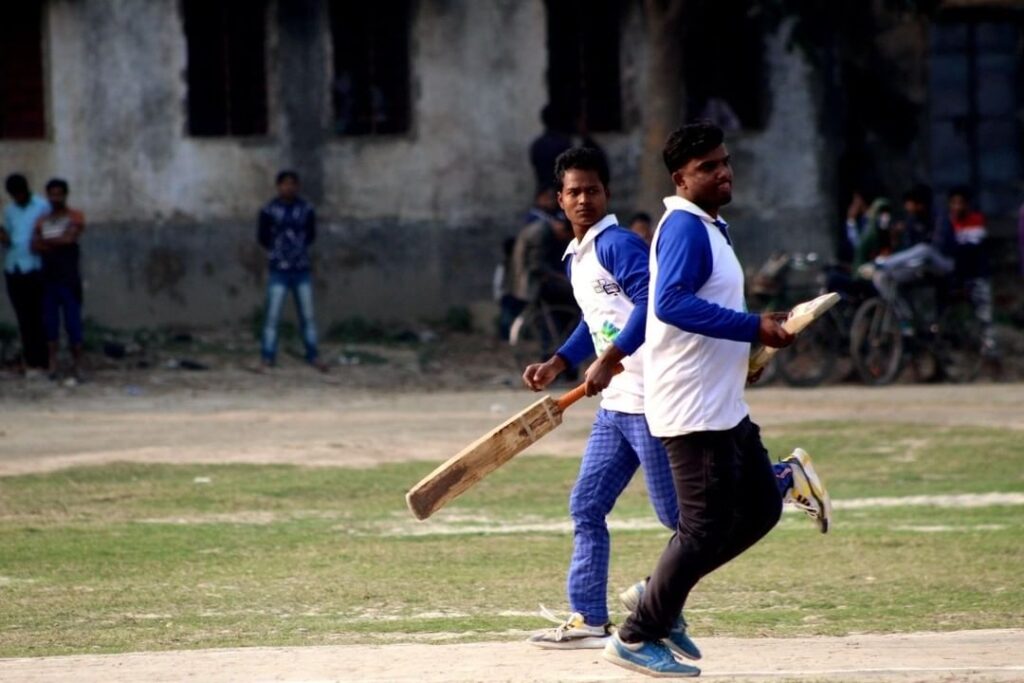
point(578, 346)
point(625, 256)
point(684, 265)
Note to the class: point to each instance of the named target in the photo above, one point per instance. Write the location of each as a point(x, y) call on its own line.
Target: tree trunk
point(664, 98)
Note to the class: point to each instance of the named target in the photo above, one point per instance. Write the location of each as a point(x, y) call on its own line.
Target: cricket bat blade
point(483, 456)
point(490, 451)
point(799, 318)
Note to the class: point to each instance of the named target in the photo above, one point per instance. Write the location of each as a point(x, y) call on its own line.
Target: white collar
point(677, 203)
point(575, 245)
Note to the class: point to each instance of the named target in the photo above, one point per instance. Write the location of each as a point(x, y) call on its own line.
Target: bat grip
point(575, 394)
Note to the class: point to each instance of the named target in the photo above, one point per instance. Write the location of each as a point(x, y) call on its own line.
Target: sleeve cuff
point(755, 328)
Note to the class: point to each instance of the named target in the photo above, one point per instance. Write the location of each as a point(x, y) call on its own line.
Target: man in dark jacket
point(287, 226)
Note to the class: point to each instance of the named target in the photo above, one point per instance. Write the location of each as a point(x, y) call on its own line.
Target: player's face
point(583, 198)
point(958, 206)
point(57, 197)
point(288, 189)
point(707, 180)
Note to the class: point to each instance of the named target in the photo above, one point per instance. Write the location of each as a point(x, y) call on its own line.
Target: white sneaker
point(808, 492)
point(572, 634)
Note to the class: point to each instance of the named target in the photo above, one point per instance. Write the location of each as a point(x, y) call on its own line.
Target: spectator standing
point(555, 139)
point(22, 269)
point(56, 241)
point(963, 236)
point(287, 228)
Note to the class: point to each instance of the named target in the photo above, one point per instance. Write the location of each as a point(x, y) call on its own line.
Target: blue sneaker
point(653, 659)
point(678, 641)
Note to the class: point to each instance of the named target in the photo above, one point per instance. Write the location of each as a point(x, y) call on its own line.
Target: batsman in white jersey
point(607, 265)
point(696, 356)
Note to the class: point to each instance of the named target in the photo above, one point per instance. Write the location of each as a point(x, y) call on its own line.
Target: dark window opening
point(976, 74)
point(21, 72)
point(723, 61)
point(583, 62)
point(227, 85)
point(370, 87)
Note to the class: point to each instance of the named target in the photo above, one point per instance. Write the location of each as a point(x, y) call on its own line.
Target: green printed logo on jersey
point(605, 336)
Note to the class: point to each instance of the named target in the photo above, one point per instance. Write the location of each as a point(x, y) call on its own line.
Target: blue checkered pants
point(619, 443)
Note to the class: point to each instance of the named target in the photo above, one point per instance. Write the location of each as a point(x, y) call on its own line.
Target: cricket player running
point(696, 355)
point(608, 269)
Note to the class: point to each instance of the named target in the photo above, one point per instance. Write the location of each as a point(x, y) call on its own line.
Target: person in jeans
point(22, 269)
point(696, 362)
point(287, 227)
point(56, 241)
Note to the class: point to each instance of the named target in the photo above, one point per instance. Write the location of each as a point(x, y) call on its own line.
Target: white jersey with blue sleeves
point(698, 330)
point(608, 271)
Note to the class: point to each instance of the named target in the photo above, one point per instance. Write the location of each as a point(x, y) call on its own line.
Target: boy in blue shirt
point(22, 269)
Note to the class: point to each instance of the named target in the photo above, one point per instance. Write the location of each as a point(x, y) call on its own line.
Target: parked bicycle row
point(928, 323)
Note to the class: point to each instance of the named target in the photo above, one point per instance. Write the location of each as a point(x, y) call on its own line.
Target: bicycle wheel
point(876, 343)
point(958, 344)
point(811, 359)
point(537, 333)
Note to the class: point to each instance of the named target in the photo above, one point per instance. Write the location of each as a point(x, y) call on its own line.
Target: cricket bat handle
point(573, 395)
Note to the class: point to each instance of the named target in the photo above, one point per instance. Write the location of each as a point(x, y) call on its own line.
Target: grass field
point(147, 557)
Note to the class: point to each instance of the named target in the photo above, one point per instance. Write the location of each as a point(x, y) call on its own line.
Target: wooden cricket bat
point(799, 318)
point(489, 452)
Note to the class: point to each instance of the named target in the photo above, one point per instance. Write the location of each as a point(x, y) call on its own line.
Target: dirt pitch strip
point(969, 656)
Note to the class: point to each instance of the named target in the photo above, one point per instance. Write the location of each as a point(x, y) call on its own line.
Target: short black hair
point(582, 159)
point(16, 184)
point(640, 216)
point(961, 191)
point(920, 194)
point(59, 183)
point(556, 117)
point(691, 141)
point(284, 175)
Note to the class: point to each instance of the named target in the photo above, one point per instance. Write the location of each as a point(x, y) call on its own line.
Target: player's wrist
point(558, 362)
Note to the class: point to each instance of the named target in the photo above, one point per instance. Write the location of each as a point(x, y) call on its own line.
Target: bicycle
point(886, 335)
point(812, 358)
point(537, 332)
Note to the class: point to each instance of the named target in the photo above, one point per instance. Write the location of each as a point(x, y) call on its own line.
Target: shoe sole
point(826, 518)
point(626, 664)
point(588, 643)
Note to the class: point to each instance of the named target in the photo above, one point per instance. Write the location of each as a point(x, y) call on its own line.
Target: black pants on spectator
point(25, 291)
point(728, 500)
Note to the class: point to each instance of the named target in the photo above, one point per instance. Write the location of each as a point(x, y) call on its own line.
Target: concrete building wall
point(782, 199)
point(410, 224)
